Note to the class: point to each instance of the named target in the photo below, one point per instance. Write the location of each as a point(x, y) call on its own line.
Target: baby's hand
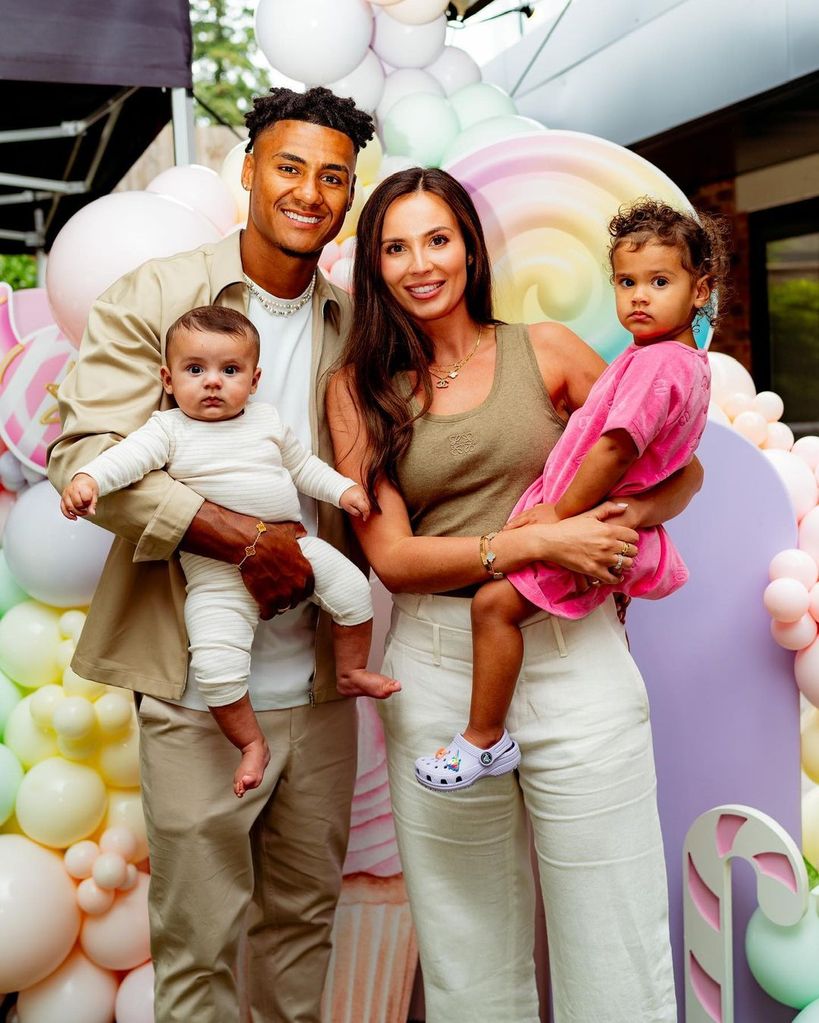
point(80, 496)
point(354, 501)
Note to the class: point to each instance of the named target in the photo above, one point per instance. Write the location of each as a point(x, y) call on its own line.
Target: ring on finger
point(626, 548)
point(595, 582)
point(618, 565)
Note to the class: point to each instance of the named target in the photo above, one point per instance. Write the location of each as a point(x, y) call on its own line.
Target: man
point(270, 864)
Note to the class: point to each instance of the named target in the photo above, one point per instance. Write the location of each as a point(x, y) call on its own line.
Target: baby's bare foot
point(250, 771)
point(367, 683)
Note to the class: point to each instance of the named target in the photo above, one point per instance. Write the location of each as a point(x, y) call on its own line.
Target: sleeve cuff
point(169, 523)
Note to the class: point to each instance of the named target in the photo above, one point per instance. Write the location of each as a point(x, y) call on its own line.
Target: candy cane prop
point(713, 841)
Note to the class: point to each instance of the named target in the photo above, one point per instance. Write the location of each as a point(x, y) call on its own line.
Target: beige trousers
point(267, 866)
point(586, 784)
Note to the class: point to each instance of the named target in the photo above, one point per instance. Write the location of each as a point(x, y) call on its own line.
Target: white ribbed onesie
point(252, 464)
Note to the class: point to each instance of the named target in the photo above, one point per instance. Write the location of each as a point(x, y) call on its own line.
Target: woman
point(446, 415)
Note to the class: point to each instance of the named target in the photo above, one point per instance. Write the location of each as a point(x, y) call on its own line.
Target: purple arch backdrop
point(724, 703)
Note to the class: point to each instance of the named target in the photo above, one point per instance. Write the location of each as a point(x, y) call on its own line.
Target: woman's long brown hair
point(384, 340)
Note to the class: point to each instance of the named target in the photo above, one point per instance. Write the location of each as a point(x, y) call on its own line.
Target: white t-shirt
point(282, 660)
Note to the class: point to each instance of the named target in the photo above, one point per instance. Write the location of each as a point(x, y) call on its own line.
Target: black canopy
point(84, 88)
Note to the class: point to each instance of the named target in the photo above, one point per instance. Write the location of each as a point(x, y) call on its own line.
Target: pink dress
point(659, 394)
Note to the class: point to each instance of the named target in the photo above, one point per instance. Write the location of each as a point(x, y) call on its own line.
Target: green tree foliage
point(794, 318)
point(227, 69)
point(19, 271)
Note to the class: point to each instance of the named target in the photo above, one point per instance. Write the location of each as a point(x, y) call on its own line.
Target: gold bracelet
point(488, 555)
point(250, 551)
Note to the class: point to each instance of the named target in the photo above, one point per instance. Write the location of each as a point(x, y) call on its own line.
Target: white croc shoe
point(460, 764)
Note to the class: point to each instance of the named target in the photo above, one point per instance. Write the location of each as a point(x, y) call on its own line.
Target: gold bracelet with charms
point(488, 555)
point(250, 552)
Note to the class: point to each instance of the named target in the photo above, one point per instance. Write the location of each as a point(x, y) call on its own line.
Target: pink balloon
point(77, 992)
point(119, 940)
point(752, 425)
point(795, 635)
point(329, 254)
point(341, 273)
point(79, 858)
point(29, 311)
point(806, 670)
point(799, 481)
point(794, 564)
point(109, 237)
point(135, 998)
point(786, 600)
point(809, 534)
point(200, 188)
point(813, 606)
point(39, 917)
point(808, 450)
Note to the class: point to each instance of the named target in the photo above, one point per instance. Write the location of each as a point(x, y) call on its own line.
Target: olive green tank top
point(463, 474)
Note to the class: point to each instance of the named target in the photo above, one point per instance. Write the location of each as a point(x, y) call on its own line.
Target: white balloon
point(54, 559)
point(314, 41)
point(808, 450)
point(716, 415)
point(364, 84)
point(341, 273)
point(200, 188)
point(231, 174)
point(779, 437)
point(417, 12)
point(736, 403)
point(408, 45)
point(728, 377)
point(752, 426)
point(109, 237)
point(768, 404)
point(454, 69)
point(405, 82)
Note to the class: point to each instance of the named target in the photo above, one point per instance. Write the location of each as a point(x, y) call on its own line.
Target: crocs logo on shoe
point(486, 758)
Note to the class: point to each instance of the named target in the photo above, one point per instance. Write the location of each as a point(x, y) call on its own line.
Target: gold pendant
point(442, 383)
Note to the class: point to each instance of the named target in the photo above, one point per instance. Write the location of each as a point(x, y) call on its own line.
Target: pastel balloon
point(480, 102)
point(29, 636)
point(779, 437)
point(454, 69)
point(71, 624)
point(810, 825)
point(795, 635)
point(11, 774)
point(354, 212)
point(329, 254)
point(200, 188)
point(110, 870)
point(717, 415)
point(806, 672)
point(109, 237)
point(131, 878)
point(115, 712)
point(808, 534)
point(60, 802)
point(79, 858)
point(92, 899)
point(794, 564)
point(769, 404)
point(10, 696)
point(417, 12)
point(394, 164)
point(231, 174)
point(364, 84)
point(810, 744)
point(813, 606)
point(119, 840)
point(341, 274)
point(55, 559)
point(752, 426)
point(44, 701)
point(783, 959)
point(786, 600)
point(485, 133)
point(119, 939)
point(135, 998)
point(403, 45)
point(29, 742)
point(74, 718)
point(125, 810)
point(314, 41)
point(75, 685)
point(11, 592)
point(729, 377)
point(39, 917)
point(420, 127)
point(799, 481)
point(369, 162)
point(77, 992)
point(406, 82)
point(118, 760)
point(808, 450)
point(736, 403)
point(810, 1014)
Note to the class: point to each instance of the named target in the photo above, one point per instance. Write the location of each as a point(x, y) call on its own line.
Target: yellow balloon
point(79, 749)
point(74, 685)
point(25, 738)
point(60, 802)
point(369, 162)
point(810, 825)
point(115, 712)
point(71, 623)
point(118, 761)
point(29, 641)
point(44, 702)
point(125, 810)
point(810, 745)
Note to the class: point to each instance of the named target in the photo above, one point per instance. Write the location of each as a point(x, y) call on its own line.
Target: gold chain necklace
point(448, 373)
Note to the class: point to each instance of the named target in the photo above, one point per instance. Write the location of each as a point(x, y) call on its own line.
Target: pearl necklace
point(281, 306)
point(448, 373)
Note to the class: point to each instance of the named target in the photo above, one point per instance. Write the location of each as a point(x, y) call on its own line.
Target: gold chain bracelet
point(488, 555)
point(250, 552)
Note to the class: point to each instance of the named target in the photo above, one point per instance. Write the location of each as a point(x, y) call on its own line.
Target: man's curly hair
point(316, 106)
point(702, 240)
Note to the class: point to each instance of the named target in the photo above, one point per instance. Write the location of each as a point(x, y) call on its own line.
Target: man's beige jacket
point(135, 633)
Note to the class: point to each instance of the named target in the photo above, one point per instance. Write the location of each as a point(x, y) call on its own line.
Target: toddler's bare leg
point(351, 644)
point(497, 650)
point(238, 723)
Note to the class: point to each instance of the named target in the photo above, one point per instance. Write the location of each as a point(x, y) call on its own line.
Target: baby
point(241, 456)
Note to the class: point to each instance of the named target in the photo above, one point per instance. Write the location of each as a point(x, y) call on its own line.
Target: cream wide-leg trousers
point(586, 783)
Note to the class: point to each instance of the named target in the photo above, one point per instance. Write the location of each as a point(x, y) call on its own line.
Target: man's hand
point(80, 496)
point(278, 576)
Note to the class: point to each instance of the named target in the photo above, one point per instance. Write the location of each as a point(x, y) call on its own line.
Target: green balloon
point(11, 592)
point(420, 126)
point(11, 774)
point(484, 133)
point(785, 960)
point(480, 101)
point(810, 1014)
point(10, 696)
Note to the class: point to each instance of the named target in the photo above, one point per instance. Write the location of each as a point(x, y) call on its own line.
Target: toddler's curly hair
point(701, 239)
